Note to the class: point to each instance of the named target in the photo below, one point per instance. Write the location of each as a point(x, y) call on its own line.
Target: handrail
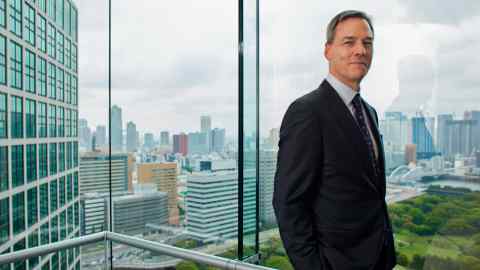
point(177, 252)
point(53, 247)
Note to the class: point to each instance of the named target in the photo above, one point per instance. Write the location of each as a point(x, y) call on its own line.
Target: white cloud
point(175, 60)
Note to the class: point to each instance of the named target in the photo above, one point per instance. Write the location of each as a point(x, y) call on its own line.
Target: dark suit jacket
point(329, 205)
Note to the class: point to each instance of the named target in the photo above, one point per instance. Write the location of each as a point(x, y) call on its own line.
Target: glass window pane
point(4, 168)
point(42, 33)
point(31, 118)
point(18, 206)
point(16, 117)
point(31, 162)
point(32, 209)
point(30, 71)
point(3, 60)
point(16, 69)
point(15, 17)
point(41, 76)
point(3, 116)
point(3, 14)
point(4, 220)
point(29, 33)
point(18, 177)
point(44, 200)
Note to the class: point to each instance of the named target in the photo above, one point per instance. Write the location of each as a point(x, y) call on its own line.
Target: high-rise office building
point(180, 144)
point(148, 141)
point(212, 206)
point(164, 138)
point(95, 186)
point(206, 127)
point(442, 132)
point(474, 116)
point(39, 202)
point(164, 175)
point(460, 137)
point(117, 130)
point(422, 137)
point(205, 123)
point(101, 136)
point(131, 167)
point(132, 142)
point(217, 138)
point(396, 130)
point(84, 134)
point(268, 166)
point(94, 173)
point(133, 214)
point(198, 143)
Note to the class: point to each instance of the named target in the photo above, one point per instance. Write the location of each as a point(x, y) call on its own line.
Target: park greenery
point(439, 230)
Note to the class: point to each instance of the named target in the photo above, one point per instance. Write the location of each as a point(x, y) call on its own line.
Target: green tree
point(417, 262)
point(403, 260)
point(186, 266)
point(279, 262)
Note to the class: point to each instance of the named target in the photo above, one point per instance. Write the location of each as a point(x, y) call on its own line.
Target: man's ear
point(326, 51)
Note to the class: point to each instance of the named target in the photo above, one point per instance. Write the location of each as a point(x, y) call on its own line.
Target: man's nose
point(360, 49)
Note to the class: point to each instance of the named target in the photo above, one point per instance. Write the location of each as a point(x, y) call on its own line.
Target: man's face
point(350, 52)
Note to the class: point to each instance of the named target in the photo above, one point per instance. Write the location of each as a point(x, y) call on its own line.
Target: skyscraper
point(442, 132)
point(180, 144)
point(422, 138)
point(206, 127)
point(164, 138)
point(101, 135)
point(131, 137)
point(460, 137)
point(85, 134)
point(268, 166)
point(39, 202)
point(148, 141)
point(205, 123)
point(217, 138)
point(117, 131)
point(474, 116)
point(396, 130)
point(198, 143)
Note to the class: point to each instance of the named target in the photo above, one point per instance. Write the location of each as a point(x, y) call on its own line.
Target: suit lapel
point(345, 120)
point(376, 134)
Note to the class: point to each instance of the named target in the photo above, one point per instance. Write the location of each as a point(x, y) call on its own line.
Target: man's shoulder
point(312, 100)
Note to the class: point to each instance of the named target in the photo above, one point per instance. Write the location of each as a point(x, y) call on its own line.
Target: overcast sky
point(173, 61)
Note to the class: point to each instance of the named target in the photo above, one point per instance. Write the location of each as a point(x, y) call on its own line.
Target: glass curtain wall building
point(39, 201)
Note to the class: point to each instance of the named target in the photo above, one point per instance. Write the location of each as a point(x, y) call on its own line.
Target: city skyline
point(201, 79)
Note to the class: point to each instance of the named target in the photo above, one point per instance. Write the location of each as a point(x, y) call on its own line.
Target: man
point(329, 195)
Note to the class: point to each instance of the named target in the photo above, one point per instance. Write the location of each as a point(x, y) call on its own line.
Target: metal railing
point(151, 246)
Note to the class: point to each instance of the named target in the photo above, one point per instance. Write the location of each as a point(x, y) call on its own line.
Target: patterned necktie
point(361, 121)
point(362, 124)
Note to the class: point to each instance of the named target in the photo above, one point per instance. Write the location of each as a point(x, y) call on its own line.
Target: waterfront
point(455, 183)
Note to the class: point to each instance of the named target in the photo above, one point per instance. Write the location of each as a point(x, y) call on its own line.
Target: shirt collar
point(346, 93)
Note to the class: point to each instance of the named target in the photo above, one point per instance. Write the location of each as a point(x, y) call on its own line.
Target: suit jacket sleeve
point(297, 172)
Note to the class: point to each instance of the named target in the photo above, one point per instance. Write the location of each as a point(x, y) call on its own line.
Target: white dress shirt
point(347, 94)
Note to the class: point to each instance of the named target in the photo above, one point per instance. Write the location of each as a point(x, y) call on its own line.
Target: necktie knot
point(357, 100)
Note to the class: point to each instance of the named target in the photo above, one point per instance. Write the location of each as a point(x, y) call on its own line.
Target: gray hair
point(340, 17)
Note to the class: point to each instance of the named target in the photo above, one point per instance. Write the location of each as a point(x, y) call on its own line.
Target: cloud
point(174, 61)
point(433, 11)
